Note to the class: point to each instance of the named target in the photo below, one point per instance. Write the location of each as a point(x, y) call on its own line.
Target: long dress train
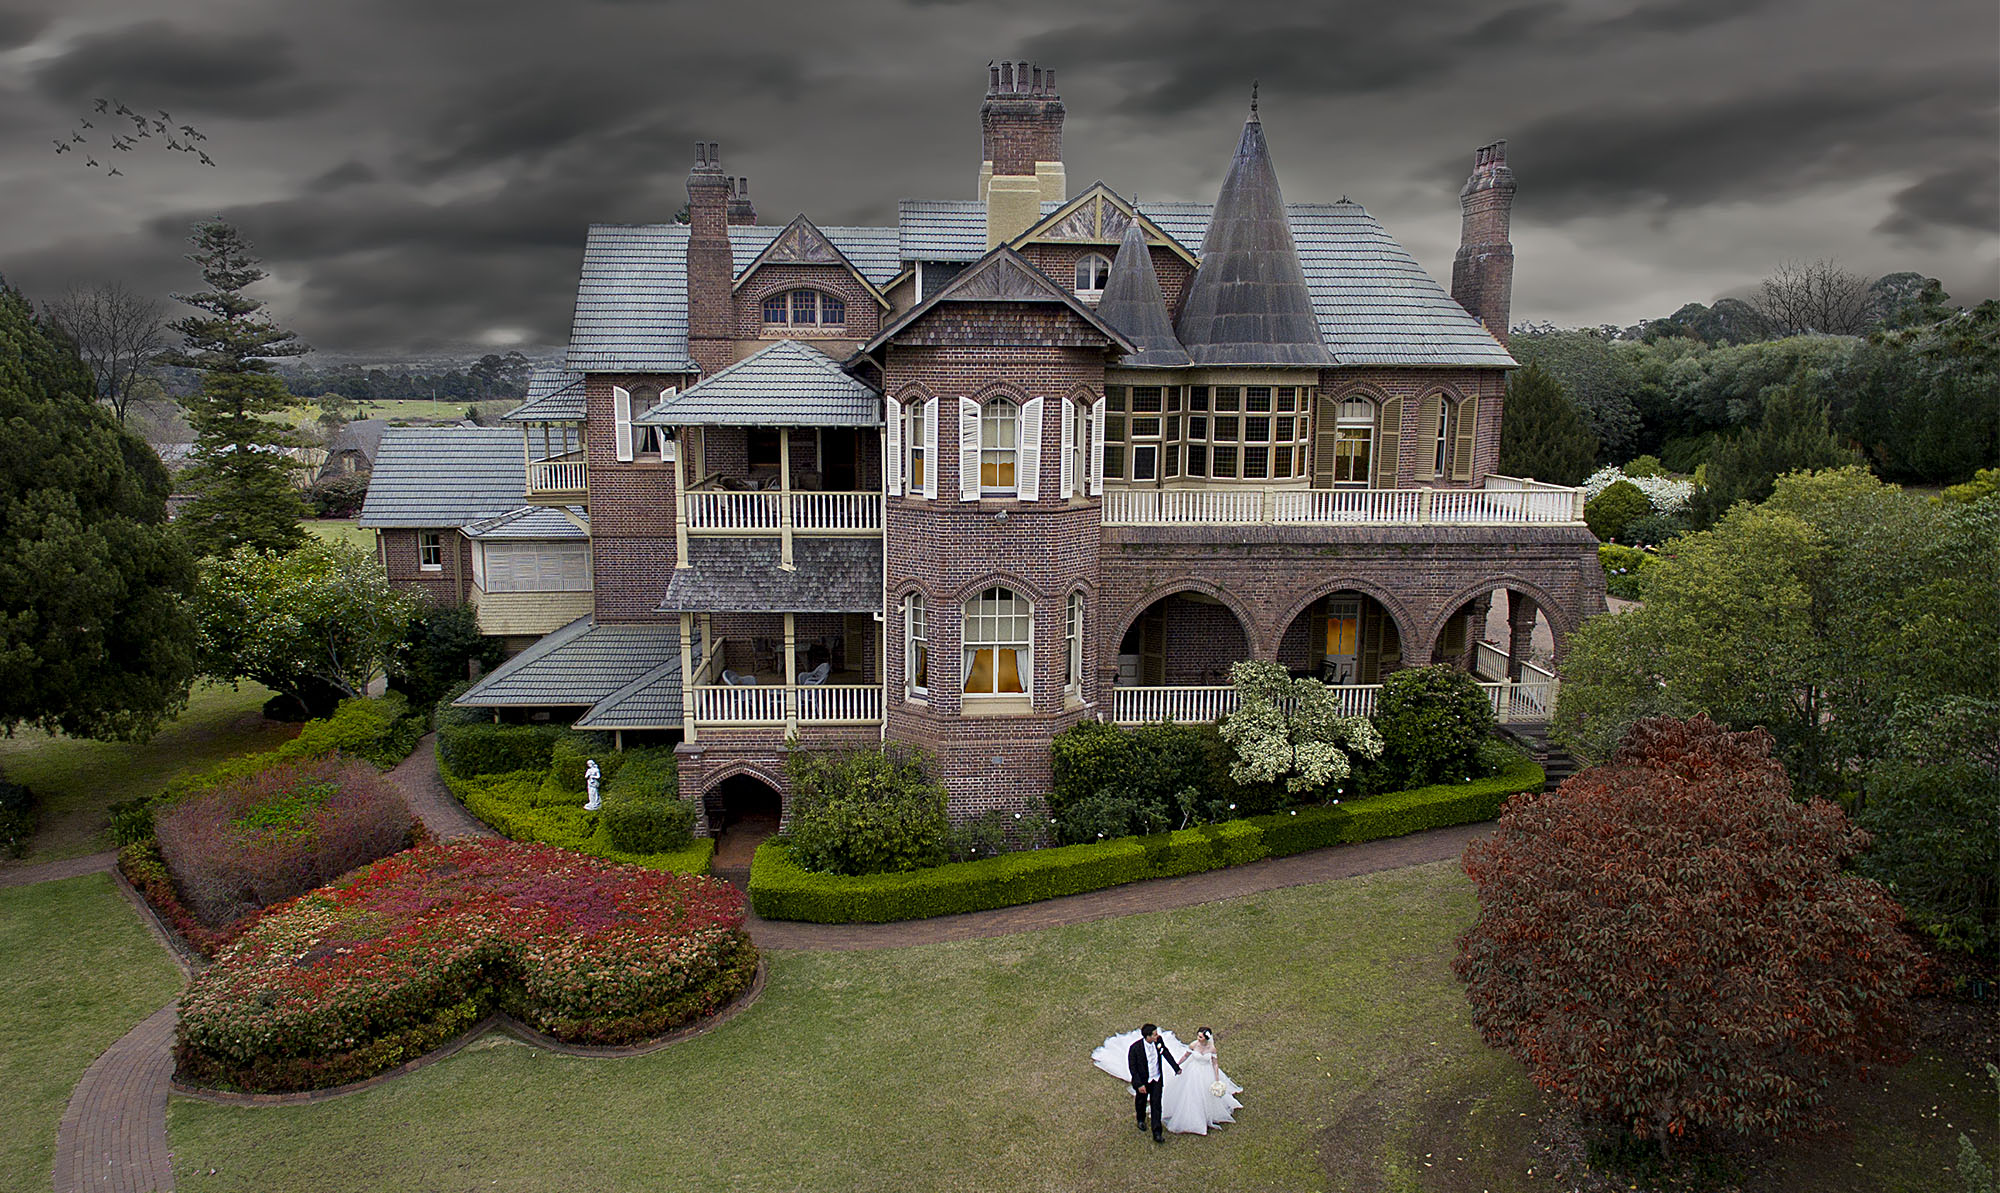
point(1186, 1105)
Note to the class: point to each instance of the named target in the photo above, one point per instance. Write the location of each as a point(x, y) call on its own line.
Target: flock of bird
point(181, 138)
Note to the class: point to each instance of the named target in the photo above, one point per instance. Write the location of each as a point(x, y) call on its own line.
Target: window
point(805, 307)
point(1073, 645)
point(1441, 457)
point(913, 441)
point(1091, 274)
point(1253, 434)
point(999, 445)
point(1080, 418)
point(916, 646)
point(648, 443)
point(535, 567)
point(1354, 442)
point(998, 644)
point(430, 550)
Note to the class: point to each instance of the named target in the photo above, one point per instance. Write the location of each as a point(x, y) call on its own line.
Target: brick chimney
point(1482, 275)
point(710, 266)
point(1021, 140)
point(740, 209)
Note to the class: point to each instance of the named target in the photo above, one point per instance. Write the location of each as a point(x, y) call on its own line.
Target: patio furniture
point(816, 676)
point(737, 679)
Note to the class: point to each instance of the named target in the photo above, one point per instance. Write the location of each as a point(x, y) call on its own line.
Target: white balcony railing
point(1504, 501)
point(1491, 663)
point(724, 511)
point(775, 704)
point(556, 477)
point(1530, 700)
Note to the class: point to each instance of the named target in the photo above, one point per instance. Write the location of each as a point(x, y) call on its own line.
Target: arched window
point(807, 308)
point(999, 445)
point(1091, 274)
point(646, 441)
point(1354, 445)
point(1073, 645)
point(916, 646)
point(999, 658)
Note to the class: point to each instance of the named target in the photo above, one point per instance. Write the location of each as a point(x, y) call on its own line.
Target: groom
point(1146, 1057)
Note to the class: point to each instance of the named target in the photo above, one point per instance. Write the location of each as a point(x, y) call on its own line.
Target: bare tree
point(116, 331)
point(1814, 296)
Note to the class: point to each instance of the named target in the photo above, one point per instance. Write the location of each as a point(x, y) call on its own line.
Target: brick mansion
point(1004, 464)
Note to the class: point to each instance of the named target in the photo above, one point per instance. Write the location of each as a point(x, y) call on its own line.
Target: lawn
point(342, 530)
point(79, 970)
point(966, 1066)
point(76, 780)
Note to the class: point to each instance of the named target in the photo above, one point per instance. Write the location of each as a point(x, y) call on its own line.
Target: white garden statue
point(590, 784)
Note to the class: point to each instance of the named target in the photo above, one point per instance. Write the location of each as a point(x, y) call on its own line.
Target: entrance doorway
point(839, 452)
point(743, 810)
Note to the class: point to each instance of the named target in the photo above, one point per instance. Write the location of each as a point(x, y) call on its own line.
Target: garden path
point(429, 799)
point(113, 1136)
point(69, 867)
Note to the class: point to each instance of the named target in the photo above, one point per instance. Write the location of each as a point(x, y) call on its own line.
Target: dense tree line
point(492, 377)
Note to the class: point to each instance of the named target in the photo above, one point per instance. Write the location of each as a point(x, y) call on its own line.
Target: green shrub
point(1645, 466)
point(866, 811)
point(1088, 757)
point(782, 889)
point(636, 825)
point(381, 730)
point(573, 751)
point(483, 748)
point(1147, 779)
point(437, 650)
point(1111, 813)
point(18, 817)
point(1624, 569)
point(1610, 512)
point(650, 773)
point(508, 803)
point(993, 832)
point(1433, 721)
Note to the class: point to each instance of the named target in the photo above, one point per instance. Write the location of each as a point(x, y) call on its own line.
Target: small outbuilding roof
point(433, 477)
point(539, 522)
point(581, 664)
point(554, 395)
point(788, 384)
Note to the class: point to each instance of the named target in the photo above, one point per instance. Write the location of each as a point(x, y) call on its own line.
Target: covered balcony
point(551, 423)
point(1501, 501)
point(782, 671)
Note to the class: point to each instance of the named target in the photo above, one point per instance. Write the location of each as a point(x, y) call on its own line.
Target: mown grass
point(966, 1066)
point(77, 971)
point(341, 530)
point(77, 780)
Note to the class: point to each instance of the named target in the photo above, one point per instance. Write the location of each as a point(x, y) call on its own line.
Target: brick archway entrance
point(743, 810)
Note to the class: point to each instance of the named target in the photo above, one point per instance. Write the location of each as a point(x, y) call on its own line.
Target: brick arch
point(1082, 394)
point(912, 391)
point(731, 770)
point(1557, 613)
point(1244, 620)
point(1398, 611)
point(999, 389)
point(966, 592)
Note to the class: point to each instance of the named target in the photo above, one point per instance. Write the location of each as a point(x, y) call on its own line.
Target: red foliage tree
point(1669, 944)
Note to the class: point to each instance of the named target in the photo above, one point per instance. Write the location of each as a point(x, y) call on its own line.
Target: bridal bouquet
point(1216, 1089)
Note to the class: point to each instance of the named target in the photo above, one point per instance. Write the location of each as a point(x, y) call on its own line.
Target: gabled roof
point(434, 477)
point(362, 435)
point(741, 575)
point(1003, 275)
point(652, 701)
point(580, 664)
point(941, 229)
point(554, 395)
point(531, 522)
point(872, 251)
point(788, 384)
point(1099, 215)
point(1248, 303)
point(1133, 304)
point(802, 243)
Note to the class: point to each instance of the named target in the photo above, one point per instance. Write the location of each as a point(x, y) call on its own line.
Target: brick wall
point(864, 314)
point(449, 586)
point(1489, 385)
point(631, 511)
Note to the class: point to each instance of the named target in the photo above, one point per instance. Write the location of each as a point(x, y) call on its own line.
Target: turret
point(1021, 143)
point(1482, 275)
point(710, 266)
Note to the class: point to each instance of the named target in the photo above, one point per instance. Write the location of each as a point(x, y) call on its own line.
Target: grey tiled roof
point(872, 251)
point(579, 664)
point(941, 229)
point(554, 395)
point(362, 435)
point(529, 522)
point(788, 384)
point(652, 701)
point(741, 575)
point(427, 477)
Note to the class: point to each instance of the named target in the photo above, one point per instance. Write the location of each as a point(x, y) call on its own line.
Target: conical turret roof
point(1248, 303)
point(1134, 305)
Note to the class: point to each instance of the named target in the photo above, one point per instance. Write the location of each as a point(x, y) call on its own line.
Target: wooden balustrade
point(775, 704)
point(1507, 501)
point(552, 477)
point(725, 511)
point(1531, 700)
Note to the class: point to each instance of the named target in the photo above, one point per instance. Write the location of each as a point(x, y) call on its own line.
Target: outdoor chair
point(736, 679)
point(817, 675)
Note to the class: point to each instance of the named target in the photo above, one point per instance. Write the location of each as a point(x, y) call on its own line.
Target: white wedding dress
point(1187, 1107)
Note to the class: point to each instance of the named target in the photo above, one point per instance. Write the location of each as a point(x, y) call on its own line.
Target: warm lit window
point(1073, 645)
point(916, 645)
point(998, 644)
point(1354, 442)
point(805, 307)
point(913, 441)
point(430, 550)
point(999, 445)
point(1091, 274)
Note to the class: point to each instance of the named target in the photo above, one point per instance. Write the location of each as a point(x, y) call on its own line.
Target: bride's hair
point(1205, 1034)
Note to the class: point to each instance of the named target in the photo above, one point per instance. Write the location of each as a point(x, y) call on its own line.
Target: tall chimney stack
point(1021, 137)
point(710, 266)
point(740, 209)
point(1482, 275)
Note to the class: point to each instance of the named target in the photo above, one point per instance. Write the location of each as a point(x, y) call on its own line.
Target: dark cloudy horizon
point(420, 175)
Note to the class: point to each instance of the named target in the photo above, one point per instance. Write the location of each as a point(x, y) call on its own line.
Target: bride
point(1189, 1100)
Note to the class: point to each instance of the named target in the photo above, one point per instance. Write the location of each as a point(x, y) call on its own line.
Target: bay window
point(998, 640)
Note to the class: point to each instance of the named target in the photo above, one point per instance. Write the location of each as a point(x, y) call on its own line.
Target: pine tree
point(1794, 436)
point(1542, 435)
point(242, 476)
point(94, 638)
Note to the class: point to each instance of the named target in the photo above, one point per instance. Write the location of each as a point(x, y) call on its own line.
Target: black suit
point(1145, 1090)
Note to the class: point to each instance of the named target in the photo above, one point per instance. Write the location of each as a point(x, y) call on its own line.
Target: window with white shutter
point(537, 567)
point(968, 450)
point(1028, 475)
point(1097, 448)
point(1066, 469)
point(930, 409)
point(892, 455)
point(621, 421)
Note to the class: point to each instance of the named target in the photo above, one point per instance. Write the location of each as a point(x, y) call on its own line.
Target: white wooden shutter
point(1028, 471)
point(1097, 448)
point(930, 447)
point(968, 450)
point(479, 566)
point(1066, 472)
point(892, 463)
point(621, 420)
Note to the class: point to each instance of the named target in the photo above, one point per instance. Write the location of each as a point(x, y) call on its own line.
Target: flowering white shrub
point(1668, 495)
point(1291, 730)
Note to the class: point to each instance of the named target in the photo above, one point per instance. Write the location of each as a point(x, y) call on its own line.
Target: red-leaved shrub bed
point(280, 832)
point(397, 959)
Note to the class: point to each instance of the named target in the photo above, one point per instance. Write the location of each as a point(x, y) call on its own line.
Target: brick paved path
point(113, 1136)
point(430, 800)
point(69, 867)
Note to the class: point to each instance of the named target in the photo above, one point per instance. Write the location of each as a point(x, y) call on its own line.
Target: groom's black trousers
point(1150, 1094)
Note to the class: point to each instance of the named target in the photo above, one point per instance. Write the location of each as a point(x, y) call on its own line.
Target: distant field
point(341, 530)
point(414, 408)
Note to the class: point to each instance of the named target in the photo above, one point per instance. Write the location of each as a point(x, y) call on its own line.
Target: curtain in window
point(997, 634)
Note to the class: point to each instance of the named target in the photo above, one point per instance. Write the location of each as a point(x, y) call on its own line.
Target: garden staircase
point(1533, 738)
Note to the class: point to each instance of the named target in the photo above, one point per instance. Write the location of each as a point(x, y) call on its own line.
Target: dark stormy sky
point(419, 173)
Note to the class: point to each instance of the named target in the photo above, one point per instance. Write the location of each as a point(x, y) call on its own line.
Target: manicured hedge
point(780, 889)
point(483, 748)
point(513, 805)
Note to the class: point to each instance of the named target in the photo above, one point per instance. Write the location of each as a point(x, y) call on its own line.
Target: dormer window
point(1091, 274)
point(805, 308)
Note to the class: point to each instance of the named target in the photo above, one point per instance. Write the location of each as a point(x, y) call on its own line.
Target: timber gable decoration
point(802, 243)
